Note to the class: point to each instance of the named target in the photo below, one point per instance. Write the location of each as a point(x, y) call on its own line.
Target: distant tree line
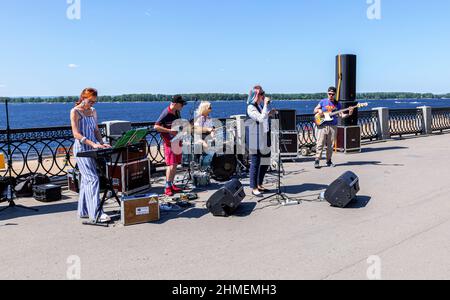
point(221, 97)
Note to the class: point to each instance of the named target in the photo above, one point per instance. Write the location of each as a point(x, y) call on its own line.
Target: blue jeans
point(257, 171)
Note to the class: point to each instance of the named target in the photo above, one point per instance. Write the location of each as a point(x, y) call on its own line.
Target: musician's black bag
point(25, 184)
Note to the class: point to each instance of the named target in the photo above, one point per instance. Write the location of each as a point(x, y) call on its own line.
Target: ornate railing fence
point(369, 120)
point(406, 121)
point(307, 129)
point(440, 119)
point(49, 150)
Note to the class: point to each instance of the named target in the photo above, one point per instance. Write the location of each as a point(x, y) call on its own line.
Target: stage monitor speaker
point(288, 119)
point(346, 70)
point(341, 192)
point(225, 201)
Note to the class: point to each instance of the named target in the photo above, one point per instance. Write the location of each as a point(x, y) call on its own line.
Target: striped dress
point(88, 203)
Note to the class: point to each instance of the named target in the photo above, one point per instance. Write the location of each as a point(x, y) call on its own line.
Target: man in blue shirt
point(326, 133)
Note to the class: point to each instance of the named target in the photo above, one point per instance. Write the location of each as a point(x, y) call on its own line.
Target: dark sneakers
point(330, 164)
point(317, 164)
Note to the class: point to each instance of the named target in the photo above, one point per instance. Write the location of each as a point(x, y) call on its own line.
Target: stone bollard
point(428, 119)
point(240, 133)
point(384, 131)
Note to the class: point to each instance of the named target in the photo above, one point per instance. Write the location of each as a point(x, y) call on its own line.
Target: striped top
point(87, 126)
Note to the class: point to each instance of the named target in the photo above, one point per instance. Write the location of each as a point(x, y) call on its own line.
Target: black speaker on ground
point(288, 119)
point(225, 201)
point(346, 77)
point(341, 192)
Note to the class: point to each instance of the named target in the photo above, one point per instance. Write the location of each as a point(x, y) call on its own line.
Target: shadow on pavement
point(365, 163)
point(368, 150)
point(16, 212)
point(359, 202)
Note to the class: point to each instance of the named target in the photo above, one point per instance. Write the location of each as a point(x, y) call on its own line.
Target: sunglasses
point(331, 94)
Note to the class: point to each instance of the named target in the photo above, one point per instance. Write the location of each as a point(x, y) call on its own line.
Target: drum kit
point(218, 162)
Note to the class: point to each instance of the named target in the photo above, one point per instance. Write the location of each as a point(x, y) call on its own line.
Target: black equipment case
point(47, 193)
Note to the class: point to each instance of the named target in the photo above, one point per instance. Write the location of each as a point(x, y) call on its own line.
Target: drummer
point(203, 127)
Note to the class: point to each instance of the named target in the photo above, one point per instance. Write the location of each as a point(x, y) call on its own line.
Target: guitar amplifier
point(348, 139)
point(130, 178)
point(288, 141)
point(139, 209)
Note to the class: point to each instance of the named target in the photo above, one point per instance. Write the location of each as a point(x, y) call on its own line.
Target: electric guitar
point(329, 116)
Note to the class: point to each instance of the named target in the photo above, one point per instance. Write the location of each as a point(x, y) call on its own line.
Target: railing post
point(428, 119)
point(384, 132)
point(240, 133)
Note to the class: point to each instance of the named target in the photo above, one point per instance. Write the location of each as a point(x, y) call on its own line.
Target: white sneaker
point(104, 218)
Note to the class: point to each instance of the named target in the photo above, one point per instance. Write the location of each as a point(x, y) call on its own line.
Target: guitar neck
point(342, 110)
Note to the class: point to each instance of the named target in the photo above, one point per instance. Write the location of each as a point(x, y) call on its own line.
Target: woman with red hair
point(88, 137)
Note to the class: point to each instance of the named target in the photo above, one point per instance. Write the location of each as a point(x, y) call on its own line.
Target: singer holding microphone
point(258, 138)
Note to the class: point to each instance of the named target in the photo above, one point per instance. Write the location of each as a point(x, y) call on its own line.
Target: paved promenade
point(402, 216)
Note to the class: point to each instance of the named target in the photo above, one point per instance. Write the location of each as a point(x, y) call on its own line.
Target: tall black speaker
point(346, 77)
point(341, 192)
point(225, 201)
point(353, 119)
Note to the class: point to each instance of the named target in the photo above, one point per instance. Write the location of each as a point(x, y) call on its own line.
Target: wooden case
point(140, 209)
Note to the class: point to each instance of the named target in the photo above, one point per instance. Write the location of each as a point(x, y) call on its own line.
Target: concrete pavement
point(401, 222)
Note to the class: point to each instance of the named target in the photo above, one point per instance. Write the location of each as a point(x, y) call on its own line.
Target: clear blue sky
point(184, 46)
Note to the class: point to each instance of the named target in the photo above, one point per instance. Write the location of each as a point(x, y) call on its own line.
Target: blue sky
point(186, 46)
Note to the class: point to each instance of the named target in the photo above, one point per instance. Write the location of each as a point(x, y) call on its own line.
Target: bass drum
point(221, 166)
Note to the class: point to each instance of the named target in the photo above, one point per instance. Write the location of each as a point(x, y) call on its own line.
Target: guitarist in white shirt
point(327, 131)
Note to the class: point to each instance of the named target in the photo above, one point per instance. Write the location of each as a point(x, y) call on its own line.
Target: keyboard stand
point(109, 189)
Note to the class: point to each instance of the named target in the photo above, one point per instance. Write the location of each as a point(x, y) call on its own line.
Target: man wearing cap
point(326, 133)
point(172, 156)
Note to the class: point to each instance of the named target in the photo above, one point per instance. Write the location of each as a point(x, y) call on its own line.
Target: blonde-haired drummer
point(203, 124)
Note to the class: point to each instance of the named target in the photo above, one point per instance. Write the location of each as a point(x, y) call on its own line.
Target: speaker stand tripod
point(279, 196)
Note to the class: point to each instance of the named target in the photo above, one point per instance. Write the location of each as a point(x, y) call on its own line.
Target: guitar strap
point(340, 78)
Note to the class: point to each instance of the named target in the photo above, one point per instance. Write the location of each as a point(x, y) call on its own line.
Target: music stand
point(10, 188)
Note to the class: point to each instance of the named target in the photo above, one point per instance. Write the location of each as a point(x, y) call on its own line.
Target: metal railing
point(440, 119)
point(50, 150)
point(406, 122)
point(307, 131)
point(369, 120)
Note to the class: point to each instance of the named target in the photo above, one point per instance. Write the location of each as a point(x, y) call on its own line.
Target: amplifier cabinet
point(139, 209)
point(287, 119)
point(130, 178)
point(136, 152)
point(288, 141)
point(348, 139)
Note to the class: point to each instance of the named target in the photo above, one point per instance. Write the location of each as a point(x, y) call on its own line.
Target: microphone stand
point(281, 197)
point(10, 187)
